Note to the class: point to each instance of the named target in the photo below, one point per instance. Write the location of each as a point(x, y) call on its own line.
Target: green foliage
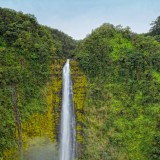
point(26, 53)
point(122, 105)
point(67, 43)
point(155, 29)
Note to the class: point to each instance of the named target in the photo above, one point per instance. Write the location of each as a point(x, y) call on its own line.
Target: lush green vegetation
point(121, 113)
point(123, 95)
point(155, 29)
point(26, 53)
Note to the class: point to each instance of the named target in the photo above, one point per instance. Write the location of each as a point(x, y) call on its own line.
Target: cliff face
point(45, 125)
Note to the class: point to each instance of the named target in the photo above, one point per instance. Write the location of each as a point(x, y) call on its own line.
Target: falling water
point(68, 129)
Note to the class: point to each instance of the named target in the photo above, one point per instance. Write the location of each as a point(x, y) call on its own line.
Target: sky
point(78, 18)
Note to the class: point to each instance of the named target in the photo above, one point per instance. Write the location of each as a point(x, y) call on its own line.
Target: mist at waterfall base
point(41, 148)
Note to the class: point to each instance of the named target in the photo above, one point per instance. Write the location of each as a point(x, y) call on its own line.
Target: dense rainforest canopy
point(26, 53)
point(123, 94)
point(122, 104)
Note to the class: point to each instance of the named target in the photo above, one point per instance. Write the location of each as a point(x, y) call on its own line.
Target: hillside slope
point(123, 95)
point(28, 52)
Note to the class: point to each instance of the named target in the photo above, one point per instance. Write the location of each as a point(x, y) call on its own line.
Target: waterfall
point(68, 127)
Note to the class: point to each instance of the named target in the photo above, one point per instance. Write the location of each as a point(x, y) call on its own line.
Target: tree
point(155, 29)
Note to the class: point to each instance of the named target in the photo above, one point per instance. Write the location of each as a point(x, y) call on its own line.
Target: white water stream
point(68, 127)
